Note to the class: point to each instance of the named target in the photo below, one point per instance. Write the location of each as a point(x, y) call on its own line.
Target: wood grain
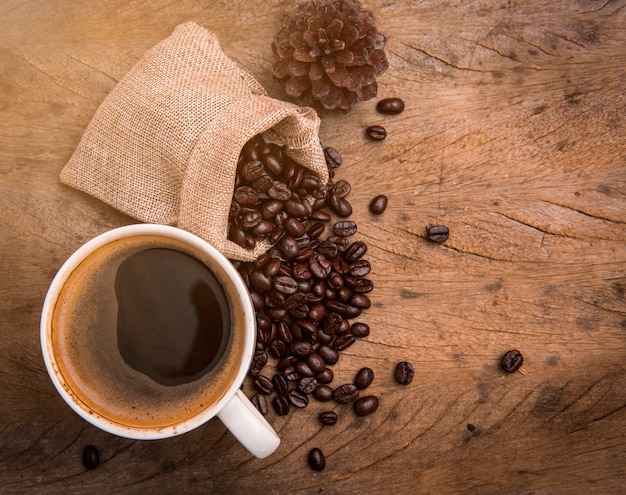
point(513, 136)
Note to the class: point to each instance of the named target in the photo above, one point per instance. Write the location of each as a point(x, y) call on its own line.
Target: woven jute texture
point(163, 145)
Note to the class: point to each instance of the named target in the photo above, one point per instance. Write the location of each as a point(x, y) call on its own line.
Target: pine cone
point(329, 54)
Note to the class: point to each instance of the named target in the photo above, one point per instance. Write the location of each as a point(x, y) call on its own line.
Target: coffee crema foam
point(84, 338)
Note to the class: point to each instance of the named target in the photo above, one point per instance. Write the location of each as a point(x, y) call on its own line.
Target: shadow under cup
point(82, 352)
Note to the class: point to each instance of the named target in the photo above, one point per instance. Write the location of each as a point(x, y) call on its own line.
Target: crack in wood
point(582, 212)
point(440, 59)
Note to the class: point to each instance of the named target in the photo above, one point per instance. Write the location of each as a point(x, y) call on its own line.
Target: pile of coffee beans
point(271, 197)
point(308, 289)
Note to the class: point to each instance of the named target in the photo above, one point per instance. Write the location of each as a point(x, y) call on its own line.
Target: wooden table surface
point(513, 136)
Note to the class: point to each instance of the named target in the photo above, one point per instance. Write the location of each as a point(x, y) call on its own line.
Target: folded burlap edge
point(94, 148)
point(291, 125)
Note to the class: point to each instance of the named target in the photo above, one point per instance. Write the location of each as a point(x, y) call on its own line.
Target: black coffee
point(172, 321)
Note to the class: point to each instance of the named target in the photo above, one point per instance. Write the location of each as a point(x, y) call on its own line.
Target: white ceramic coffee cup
point(233, 408)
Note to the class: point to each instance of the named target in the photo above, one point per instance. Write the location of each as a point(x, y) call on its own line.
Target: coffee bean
point(376, 132)
point(404, 373)
point(329, 249)
point(354, 311)
point(320, 266)
point(364, 378)
point(258, 362)
point(91, 457)
point(360, 301)
point(263, 385)
point(280, 384)
point(252, 170)
point(303, 369)
point(360, 268)
point(285, 285)
point(260, 403)
point(335, 281)
point(342, 342)
point(378, 204)
point(263, 229)
point(342, 188)
point(291, 374)
point(316, 230)
point(260, 280)
point(360, 330)
point(272, 164)
point(297, 398)
point(321, 215)
point(344, 394)
point(316, 363)
point(307, 385)
point(276, 235)
point(362, 285)
point(332, 156)
point(271, 208)
point(390, 106)
point(340, 206)
point(279, 349)
point(366, 405)
point(246, 195)
point(355, 251)
point(328, 354)
point(512, 361)
point(323, 393)
point(237, 235)
point(437, 233)
point(317, 312)
point(280, 403)
point(324, 338)
point(316, 460)
point(288, 247)
point(328, 418)
point(344, 228)
point(263, 183)
point(294, 227)
point(325, 377)
point(295, 208)
point(278, 190)
point(302, 348)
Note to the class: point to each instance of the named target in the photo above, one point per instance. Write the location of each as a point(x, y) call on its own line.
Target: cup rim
point(93, 417)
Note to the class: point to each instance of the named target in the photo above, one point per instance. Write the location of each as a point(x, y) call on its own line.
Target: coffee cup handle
point(249, 426)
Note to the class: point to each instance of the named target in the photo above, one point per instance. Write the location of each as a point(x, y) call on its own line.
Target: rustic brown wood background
point(513, 135)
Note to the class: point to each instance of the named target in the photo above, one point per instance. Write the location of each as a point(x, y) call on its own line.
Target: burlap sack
point(164, 144)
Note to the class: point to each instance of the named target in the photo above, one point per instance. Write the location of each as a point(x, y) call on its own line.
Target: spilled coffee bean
point(280, 403)
point(437, 233)
point(91, 457)
point(390, 106)
point(316, 460)
point(366, 405)
point(512, 361)
point(378, 204)
point(364, 378)
point(260, 402)
point(328, 418)
point(404, 373)
point(376, 132)
point(344, 394)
